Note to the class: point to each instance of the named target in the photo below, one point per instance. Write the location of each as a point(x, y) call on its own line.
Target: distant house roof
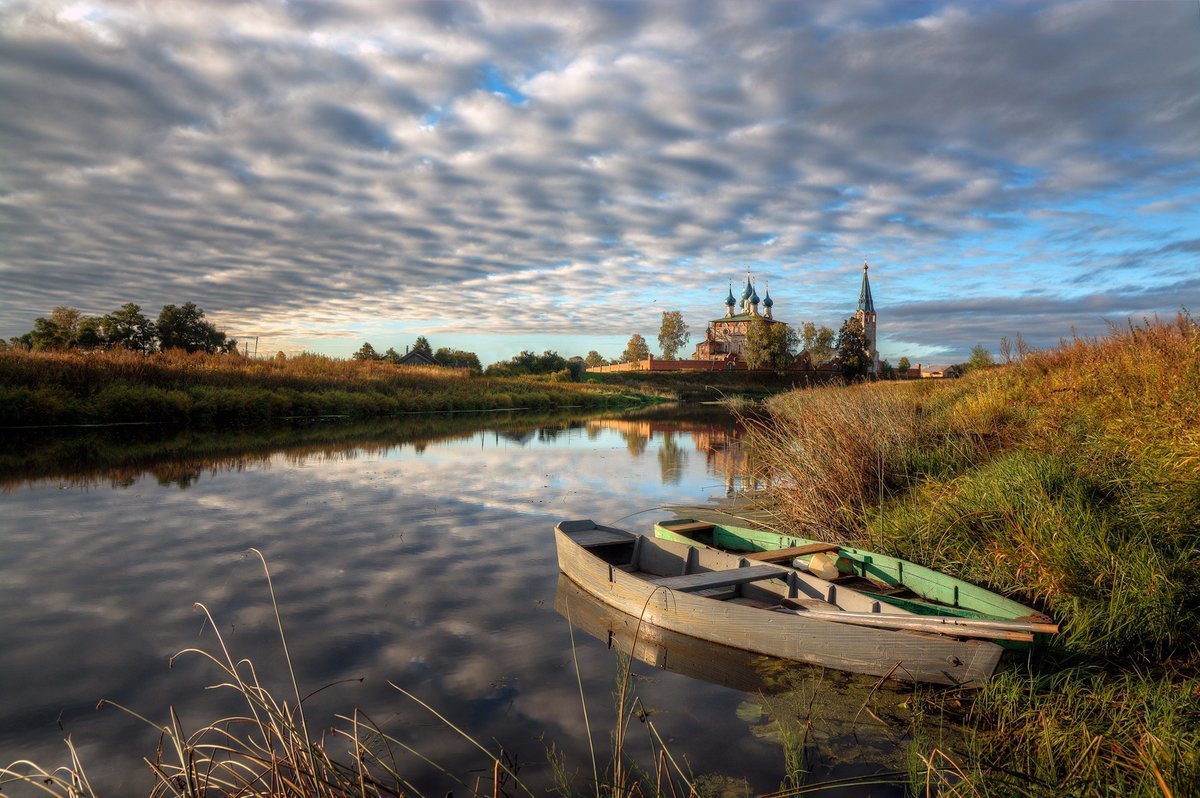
point(417, 357)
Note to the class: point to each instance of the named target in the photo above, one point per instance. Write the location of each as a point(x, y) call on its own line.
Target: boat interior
point(883, 586)
point(722, 576)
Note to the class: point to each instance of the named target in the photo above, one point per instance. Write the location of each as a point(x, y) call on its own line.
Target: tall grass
point(121, 386)
point(1070, 480)
point(271, 749)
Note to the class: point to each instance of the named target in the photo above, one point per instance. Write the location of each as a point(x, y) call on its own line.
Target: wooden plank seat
point(690, 528)
point(689, 583)
point(786, 555)
point(594, 538)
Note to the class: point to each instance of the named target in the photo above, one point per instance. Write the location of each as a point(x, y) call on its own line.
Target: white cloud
point(303, 168)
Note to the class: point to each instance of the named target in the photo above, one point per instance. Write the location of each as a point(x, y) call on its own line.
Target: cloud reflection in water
point(429, 563)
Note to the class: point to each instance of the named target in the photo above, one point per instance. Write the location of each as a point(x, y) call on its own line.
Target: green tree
point(817, 341)
point(422, 344)
point(457, 358)
point(637, 349)
point(980, 359)
point(770, 346)
point(391, 355)
point(887, 371)
point(594, 359)
point(91, 333)
point(673, 334)
point(127, 327)
point(904, 364)
point(852, 350)
point(184, 327)
point(528, 363)
point(366, 352)
point(60, 331)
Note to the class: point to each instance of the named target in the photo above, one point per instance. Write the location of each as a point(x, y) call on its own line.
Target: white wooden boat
point(771, 609)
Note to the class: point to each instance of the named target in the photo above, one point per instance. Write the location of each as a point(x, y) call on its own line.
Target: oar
point(964, 627)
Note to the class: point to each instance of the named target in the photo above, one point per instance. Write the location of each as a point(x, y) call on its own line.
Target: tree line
point(444, 356)
point(775, 346)
point(178, 327)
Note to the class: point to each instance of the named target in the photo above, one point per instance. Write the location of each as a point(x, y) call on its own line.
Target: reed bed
point(1069, 480)
point(176, 387)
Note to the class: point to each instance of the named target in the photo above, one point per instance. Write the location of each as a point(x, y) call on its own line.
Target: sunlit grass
point(1071, 481)
point(120, 386)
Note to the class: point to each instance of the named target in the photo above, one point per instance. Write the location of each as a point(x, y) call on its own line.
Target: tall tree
point(422, 345)
point(770, 346)
point(457, 358)
point(818, 342)
point(391, 355)
point(184, 327)
point(673, 334)
point(637, 349)
point(852, 350)
point(981, 358)
point(904, 364)
point(366, 352)
point(60, 331)
point(594, 359)
point(127, 327)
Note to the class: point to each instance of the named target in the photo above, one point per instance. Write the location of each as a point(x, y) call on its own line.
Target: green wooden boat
point(898, 582)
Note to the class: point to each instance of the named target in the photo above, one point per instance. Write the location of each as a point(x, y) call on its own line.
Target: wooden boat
point(772, 609)
point(900, 583)
point(671, 651)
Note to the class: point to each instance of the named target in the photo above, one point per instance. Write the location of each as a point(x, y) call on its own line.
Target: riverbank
point(1070, 481)
point(46, 388)
point(709, 386)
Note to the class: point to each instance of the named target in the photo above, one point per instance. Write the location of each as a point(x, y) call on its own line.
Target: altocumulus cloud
point(302, 168)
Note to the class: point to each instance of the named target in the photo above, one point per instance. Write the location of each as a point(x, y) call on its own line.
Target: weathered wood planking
point(787, 555)
point(691, 527)
point(726, 578)
point(940, 594)
point(600, 537)
point(918, 656)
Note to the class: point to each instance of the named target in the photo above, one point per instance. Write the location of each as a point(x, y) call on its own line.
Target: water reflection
point(415, 550)
point(831, 725)
point(671, 651)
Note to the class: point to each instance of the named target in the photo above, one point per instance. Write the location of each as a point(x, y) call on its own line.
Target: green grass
point(1070, 481)
point(44, 388)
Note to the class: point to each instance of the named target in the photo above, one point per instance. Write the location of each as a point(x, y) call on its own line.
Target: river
point(416, 551)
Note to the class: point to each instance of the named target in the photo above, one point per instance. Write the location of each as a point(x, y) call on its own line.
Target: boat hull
point(904, 655)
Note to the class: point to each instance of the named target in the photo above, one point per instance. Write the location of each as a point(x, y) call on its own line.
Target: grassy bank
point(175, 387)
point(704, 386)
point(1070, 481)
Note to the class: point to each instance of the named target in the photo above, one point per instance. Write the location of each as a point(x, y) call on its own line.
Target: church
point(725, 339)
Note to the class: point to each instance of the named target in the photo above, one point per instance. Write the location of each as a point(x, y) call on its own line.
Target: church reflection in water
point(720, 442)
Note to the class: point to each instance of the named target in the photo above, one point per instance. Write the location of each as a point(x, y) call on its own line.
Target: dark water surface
point(417, 551)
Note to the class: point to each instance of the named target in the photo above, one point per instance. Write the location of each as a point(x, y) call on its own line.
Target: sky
point(502, 176)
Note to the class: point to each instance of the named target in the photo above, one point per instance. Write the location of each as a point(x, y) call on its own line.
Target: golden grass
point(122, 386)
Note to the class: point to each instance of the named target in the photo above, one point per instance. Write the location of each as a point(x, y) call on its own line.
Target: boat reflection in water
point(671, 651)
point(831, 725)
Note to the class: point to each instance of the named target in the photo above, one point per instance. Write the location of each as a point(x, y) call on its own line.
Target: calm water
point(418, 552)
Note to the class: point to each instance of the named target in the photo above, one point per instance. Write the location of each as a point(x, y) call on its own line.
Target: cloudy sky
point(533, 175)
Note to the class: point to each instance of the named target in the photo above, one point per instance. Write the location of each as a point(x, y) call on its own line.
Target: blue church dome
point(768, 302)
point(754, 298)
point(748, 291)
point(729, 300)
